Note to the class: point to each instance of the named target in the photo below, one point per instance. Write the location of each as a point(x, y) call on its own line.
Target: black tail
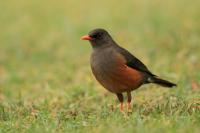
point(162, 82)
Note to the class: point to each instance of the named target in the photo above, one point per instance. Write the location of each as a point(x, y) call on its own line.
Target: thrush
point(116, 69)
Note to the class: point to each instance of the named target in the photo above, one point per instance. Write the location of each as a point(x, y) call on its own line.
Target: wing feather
point(132, 61)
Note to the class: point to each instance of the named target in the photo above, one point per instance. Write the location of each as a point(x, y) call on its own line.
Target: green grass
point(46, 83)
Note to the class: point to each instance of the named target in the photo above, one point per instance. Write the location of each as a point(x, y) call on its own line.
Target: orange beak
point(86, 37)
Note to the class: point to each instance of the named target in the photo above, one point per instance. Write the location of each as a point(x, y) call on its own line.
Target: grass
point(46, 83)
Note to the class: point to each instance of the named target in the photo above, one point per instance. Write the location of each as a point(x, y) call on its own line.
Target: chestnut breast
point(110, 69)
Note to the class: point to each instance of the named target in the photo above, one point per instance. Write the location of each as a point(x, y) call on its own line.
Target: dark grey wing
point(132, 61)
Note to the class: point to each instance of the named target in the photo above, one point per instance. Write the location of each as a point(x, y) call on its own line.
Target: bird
point(116, 69)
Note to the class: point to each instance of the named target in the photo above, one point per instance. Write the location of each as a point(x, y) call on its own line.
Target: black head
point(98, 38)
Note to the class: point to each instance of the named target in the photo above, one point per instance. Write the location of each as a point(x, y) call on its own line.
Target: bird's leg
point(121, 99)
point(129, 101)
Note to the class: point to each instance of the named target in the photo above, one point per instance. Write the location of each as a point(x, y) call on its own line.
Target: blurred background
point(44, 64)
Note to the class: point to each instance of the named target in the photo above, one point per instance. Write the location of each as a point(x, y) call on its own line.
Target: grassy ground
point(45, 80)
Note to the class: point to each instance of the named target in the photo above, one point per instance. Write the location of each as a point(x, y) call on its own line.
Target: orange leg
point(121, 107)
point(129, 101)
point(129, 106)
point(121, 99)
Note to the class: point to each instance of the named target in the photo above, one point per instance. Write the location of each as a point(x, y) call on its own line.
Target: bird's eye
point(96, 36)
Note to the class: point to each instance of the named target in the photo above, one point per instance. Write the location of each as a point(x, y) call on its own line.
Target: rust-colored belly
point(119, 80)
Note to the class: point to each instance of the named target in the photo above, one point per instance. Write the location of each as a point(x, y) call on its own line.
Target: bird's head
point(98, 38)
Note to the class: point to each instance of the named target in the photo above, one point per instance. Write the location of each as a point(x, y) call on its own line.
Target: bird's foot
point(122, 110)
point(129, 107)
